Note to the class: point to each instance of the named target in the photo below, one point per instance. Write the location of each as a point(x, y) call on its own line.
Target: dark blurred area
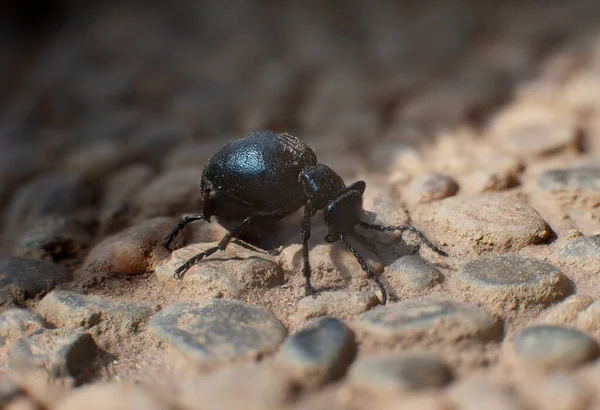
point(89, 88)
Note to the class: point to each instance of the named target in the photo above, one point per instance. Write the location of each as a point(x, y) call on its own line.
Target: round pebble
point(414, 272)
point(584, 178)
point(427, 320)
point(171, 193)
point(339, 304)
point(111, 396)
point(400, 372)
point(112, 322)
point(319, 352)
point(489, 222)
point(62, 354)
point(218, 330)
point(24, 278)
point(431, 187)
point(477, 393)
point(511, 281)
point(578, 251)
point(566, 311)
point(129, 251)
point(552, 348)
point(52, 237)
point(15, 323)
point(228, 273)
point(540, 139)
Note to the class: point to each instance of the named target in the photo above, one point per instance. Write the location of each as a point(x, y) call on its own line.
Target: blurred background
point(109, 109)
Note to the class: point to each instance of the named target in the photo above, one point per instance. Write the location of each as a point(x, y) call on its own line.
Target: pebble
point(120, 190)
point(340, 304)
point(112, 322)
point(228, 273)
point(52, 237)
point(15, 323)
point(61, 354)
point(560, 392)
point(218, 330)
point(25, 278)
point(487, 222)
point(512, 281)
point(319, 352)
point(8, 391)
point(589, 318)
point(332, 265)
point(400, 372)
point(566, 311)
point(579, 252)
point(193, 154)
point(151, 143)
point(538, 140)
point(96, 159)
point(414, 272)
point(583, 178)
point(130, 251)
point(477, 393)
point(428, 320)
point(482, 181)
point(250, 386)
point(171, 193)
point(552, 348)
point(111, 396)
point(431, 187)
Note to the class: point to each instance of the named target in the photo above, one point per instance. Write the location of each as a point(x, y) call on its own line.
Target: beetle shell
point(260, 170)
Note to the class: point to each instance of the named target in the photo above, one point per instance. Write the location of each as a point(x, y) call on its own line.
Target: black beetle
point(265, 176)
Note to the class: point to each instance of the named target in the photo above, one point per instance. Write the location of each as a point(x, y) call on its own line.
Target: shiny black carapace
point(265, 176)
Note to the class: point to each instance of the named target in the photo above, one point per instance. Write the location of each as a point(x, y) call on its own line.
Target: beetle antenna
point(401, 229)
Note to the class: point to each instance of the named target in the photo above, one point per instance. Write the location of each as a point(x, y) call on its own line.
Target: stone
point(580, 252)
point(96, 159)
point(332, 265)
point(248, 386)
point(152, 142)
point(111, 396)
point(218, 330)
point(479, 223)
point(507, 282)
point(52, 237)
point(400, 372)
point(537, 140)
point(483, 180)
point(25, 278)
point(319, 352)
point(112, 322)
point(60, 354)
point(560, 392)
point(193, 154)
point(120, 190)
point(585, 178)
point(549, 348)
point(567, 311)
point(414, 273)
point(428, 320)
point(431, 187)
point(171, 193)
point(8, 391)
point(229, 273)
point(476, 393)
point(130, 251)
point(589, 318)
point(339, 304)
point(15, 323)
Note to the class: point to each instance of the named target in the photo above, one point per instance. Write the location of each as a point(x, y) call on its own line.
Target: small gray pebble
point(23, 278)
point(585, 178)
point(51, 237)
point(431, 187)
point(217, 330)
point(554, 347)
point(400, 372)
point(417, 273)
point(513, 280)
point(428, 320)
point(319, 352)
point(109, 319)
point(63, 354)
point(15, 323)
point(581, 251)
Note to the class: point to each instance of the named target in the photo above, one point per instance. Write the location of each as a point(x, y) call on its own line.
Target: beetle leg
point(247, 245)
point(401, 229)
point(186, 219)
point(365, 268)
point(308, 213)
point(221, 246)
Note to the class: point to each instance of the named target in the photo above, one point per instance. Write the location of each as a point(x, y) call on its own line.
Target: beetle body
point(264, 176)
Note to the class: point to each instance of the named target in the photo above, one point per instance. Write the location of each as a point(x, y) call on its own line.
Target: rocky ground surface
point(476, 122)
